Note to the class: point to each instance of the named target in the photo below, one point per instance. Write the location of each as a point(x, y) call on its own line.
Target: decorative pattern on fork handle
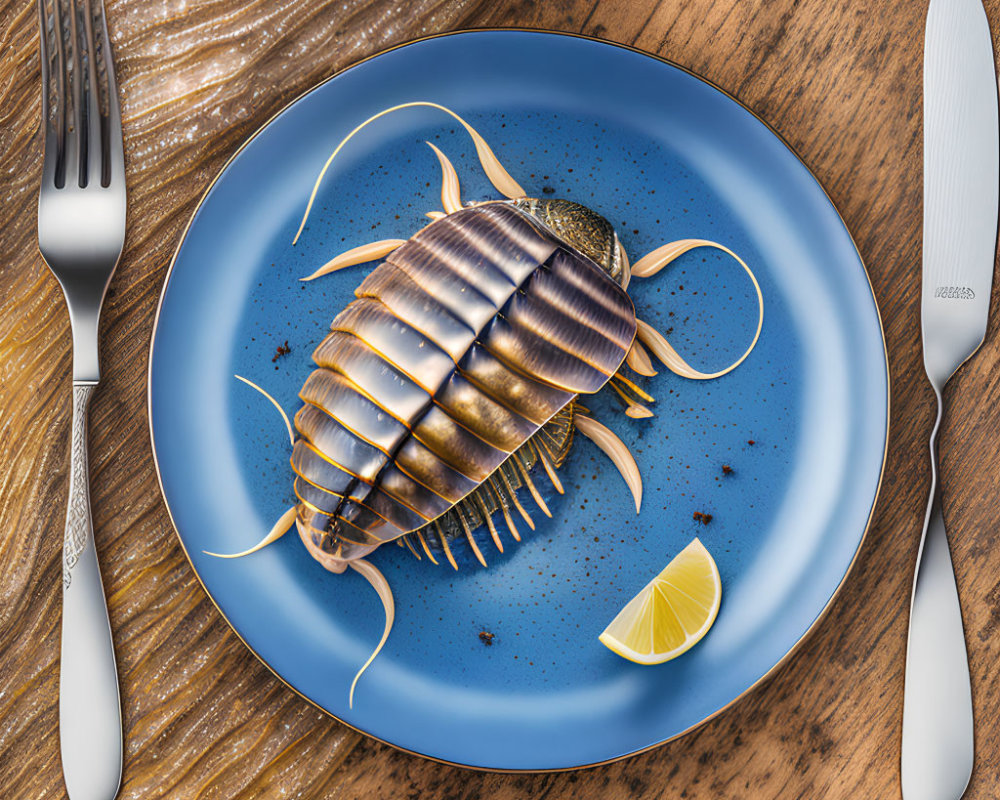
point(79, 526)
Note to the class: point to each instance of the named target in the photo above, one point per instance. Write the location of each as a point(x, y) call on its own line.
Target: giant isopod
point(451, 381)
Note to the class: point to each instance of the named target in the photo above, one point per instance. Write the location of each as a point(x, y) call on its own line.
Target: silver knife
point(961, 185)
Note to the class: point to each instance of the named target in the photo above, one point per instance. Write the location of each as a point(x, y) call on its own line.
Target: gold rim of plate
point(878, 314)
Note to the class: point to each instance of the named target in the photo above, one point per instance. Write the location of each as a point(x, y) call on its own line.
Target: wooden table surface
point(839, 79)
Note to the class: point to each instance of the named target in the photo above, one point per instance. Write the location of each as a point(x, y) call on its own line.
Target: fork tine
point(43, 53)
point(95, 141)
point(70, 87)
point(114, 155)
point(51, 151)
point(59, 118)
point(77, 139)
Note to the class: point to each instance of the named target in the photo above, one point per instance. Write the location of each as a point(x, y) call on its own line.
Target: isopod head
point(580, 227)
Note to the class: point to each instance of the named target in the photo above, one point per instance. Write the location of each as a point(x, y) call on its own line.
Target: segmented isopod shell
point(458, 348)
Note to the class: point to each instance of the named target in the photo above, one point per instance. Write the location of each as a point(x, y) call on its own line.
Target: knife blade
point(960, 183)
point(961, 188)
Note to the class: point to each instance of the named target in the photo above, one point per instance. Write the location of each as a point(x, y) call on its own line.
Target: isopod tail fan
point(494, 170)
point(367, 570)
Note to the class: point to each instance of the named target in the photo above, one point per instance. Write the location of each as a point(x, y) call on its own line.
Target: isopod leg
point(494, 170)
point(633, 409)
point(371, 574)
point(649, 265)
point(410, 547)
point(616, 450)
point(543, 435)
point(427, 549)
point(634, 388)
point(526, 477)
point(468, 535)
point(506, 512)
point(357, 255)
point(653, 262)
point(510, 523)
point(444, 545)
point(549, 469)
point(451, 193)
point(281, 527)
point(626, 275)
point(488, 518)
point(517, 503)
point(275, 403)
point(638, 359)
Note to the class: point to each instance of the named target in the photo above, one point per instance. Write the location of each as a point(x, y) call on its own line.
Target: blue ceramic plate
point(802, 422)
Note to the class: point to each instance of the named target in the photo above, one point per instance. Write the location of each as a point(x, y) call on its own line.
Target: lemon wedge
point(672, 612)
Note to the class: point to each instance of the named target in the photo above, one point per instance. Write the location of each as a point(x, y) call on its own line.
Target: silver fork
point(81, 230)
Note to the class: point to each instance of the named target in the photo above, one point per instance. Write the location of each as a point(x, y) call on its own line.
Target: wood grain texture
point(839, 79)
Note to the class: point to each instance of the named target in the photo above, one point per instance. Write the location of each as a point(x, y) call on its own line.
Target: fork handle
point(90, 726)
point(938, 745)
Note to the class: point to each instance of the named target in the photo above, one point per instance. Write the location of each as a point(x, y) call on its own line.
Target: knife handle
point(938, 745)
point(90, 727)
